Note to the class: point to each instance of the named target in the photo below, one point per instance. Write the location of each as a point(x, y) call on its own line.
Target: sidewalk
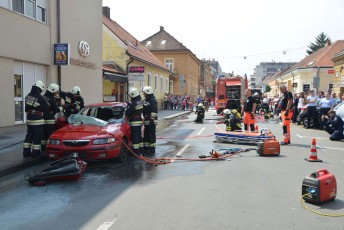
point(11, 146)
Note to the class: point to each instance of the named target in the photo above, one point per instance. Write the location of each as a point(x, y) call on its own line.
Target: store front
point(115, 84)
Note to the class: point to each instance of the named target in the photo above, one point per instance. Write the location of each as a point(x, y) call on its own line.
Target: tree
point(267, 89)
point(320, 41)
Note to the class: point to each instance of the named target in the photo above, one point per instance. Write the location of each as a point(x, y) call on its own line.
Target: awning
point(115, 77)
point(234, 82)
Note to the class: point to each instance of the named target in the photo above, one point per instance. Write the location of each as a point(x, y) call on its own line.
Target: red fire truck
point(229, 90)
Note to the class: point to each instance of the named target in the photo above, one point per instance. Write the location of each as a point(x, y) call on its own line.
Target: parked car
point(340, 110)
point(302, 118)
point(97, 132)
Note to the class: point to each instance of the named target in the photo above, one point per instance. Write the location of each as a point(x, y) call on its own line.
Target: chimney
point(328, 42)
point(161, 28)
point(106, 11)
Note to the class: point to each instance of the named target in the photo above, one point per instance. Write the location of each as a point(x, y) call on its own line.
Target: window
point(161, 85)
point(41, 14)
point(163, 42)
point(169, 64)
point(18, 98)
point(149, 79)
point(156, 82)
point(4, 3)
point(171, 86)
point(18, 6)
point(30, 8)
point(166, 85)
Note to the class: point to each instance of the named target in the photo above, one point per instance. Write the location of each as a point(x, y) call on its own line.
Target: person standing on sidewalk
point(312, 102)
point(249, 109)
point(49, 117)
point(150, 114)
point(36, 105)
point(286, 113)
point(134, 113)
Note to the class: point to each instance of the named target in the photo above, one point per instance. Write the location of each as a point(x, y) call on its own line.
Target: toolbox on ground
point(319, 187)
point(269, 147)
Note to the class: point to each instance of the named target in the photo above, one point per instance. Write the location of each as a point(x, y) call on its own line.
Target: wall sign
point(84, 48)
point(136, 69)
point(61, 54)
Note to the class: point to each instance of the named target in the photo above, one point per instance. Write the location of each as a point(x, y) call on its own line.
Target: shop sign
point(135, 77)
point(136, 69)
point(61, 54)
point(330, 71)
point(306, 87)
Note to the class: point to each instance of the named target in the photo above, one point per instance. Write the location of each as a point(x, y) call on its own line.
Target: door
point(18, 99)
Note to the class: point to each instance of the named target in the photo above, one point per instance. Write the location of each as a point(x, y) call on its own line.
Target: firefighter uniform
point(134, 114)
point(249, 114)
point(36, 106)
point(49, 117)
point(73, 101)
point(200, 111)
point(286, 114)
point(150, 115)
point(233, 122)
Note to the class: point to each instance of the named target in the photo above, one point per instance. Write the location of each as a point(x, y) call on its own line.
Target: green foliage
point(267, 89)
point(320, 42)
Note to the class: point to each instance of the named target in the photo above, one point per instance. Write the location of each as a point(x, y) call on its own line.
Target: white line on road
point(182, 150)
point(199, 133)
point(106, 225)
point(332, 148)
point(322, 148)
point(299, 136)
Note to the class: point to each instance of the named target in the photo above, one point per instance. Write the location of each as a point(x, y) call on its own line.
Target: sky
point(239, 34)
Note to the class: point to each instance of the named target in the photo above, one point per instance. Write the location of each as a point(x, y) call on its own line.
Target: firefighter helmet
point(76, 90)
point(226, 111)
point(53, 88)
point(133, 92)
point(40, 85)
point(256, 94)
point(147, 90)
point(200, 105)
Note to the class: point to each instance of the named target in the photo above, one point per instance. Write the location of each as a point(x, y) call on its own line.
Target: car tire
point(305, 121)
point(123, 154)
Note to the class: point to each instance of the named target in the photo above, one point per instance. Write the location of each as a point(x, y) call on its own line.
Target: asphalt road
point(244, 192)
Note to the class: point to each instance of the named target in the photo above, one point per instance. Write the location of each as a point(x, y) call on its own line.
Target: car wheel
point(305, 121)
point(123, 154)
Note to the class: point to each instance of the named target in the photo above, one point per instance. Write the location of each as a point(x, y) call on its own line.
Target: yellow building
point(313, 72)
point(141, 66)
point(179, 60)
point(338, 79)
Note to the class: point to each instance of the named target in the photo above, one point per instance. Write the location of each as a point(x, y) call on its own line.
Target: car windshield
point(105, 113)
point(77, 119)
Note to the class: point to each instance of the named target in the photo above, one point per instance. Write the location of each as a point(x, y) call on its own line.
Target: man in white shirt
point(312, 102)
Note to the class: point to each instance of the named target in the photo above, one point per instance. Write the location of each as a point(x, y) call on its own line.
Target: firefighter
point(49, 117)
point(150, 115)
point(36, 105)
point(248, 109)
point(286, 113)
point(232, 120)
point(226, 114)
point(200, 113)
point(134, 114)
point(73, 101)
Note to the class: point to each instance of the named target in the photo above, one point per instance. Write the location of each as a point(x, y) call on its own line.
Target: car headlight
point(53, 142)
point(103, 141)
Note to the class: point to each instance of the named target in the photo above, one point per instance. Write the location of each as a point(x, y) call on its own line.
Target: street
point(244, 192)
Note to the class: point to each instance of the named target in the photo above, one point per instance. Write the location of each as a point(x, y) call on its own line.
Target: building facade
point(338, 78)
point(184, 65)
point(29, 30)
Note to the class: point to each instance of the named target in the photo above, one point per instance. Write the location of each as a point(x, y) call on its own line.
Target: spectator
point(295, 107)
point(312, 102)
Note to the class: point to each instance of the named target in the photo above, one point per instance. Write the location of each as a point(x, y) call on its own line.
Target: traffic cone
point(313, 153)
point(256, 128)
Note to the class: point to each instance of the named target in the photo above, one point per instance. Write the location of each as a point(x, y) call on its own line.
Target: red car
point(95, 133)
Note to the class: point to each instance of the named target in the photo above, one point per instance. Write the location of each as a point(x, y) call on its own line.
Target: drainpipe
point(131, 60)
point(318, 80)
point(58, 25)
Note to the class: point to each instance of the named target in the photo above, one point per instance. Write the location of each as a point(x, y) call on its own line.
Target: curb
point(15, 167)
point(176, 115)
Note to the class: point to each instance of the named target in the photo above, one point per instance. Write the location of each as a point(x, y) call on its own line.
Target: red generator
point(319, 187)
point(269, 147)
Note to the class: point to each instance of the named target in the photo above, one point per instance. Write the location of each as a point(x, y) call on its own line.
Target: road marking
point(107, 224)
point(322, 148)
point(333, 148)
point(182, 150)
point(299, 136)
point(199, 133)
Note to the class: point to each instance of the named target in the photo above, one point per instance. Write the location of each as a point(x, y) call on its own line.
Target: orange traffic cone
point(313, 153)
point(256, 128)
